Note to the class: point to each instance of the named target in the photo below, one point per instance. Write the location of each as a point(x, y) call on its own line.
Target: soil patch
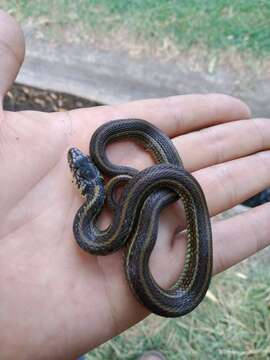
point(21, 97)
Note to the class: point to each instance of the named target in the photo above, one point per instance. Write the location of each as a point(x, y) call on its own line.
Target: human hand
point(56, 300)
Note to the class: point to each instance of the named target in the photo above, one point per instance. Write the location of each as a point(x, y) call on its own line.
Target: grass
point(243, 25)
point(232, 323)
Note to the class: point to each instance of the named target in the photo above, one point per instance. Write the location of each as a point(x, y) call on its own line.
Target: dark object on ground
point(258, 199)
point(21, 97)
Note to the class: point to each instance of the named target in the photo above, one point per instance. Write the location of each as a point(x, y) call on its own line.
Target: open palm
point(57, 301)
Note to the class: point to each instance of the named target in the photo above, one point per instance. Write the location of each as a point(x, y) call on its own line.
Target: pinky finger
point(241, 236)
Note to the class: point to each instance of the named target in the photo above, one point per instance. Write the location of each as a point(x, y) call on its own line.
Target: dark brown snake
point(136, 214)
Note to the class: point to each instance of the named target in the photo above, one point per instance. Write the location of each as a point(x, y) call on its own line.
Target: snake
point(136, 213)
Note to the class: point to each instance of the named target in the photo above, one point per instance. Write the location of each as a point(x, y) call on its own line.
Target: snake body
point(136, 214)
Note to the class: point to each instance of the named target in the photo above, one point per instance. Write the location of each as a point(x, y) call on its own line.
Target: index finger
point(174, 115)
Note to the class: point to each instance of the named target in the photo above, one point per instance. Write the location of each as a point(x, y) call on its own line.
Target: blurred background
point(85, 53)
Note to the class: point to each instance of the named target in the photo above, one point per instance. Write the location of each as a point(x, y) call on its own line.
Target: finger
point(180, 114)
point(11, 51)
point(174, 115)
point(226, 185)
point(223, 142)
point(234, 240)
point(241, 236)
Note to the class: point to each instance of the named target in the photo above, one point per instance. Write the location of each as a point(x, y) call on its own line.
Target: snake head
point(85, 173)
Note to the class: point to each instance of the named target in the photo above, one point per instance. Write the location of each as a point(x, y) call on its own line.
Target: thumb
point(11, 52)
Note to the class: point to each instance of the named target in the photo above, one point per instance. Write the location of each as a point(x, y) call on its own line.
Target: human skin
point(57, 301)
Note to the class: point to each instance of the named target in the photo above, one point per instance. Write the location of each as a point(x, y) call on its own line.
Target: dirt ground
point(21, 97)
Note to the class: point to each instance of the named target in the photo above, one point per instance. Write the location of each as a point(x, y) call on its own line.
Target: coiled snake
point(136, 214)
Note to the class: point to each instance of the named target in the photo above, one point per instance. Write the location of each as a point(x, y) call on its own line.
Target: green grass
point(243, 25)
point(234, 326)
